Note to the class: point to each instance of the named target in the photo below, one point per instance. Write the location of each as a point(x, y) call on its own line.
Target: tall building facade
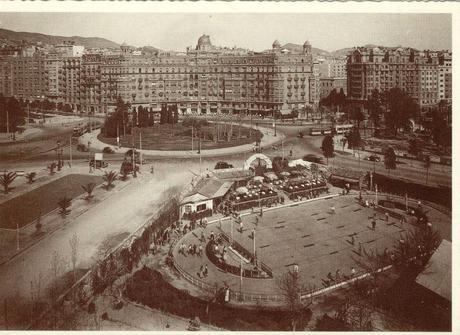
point(204, 79)
point(415, 72)
point(208, 79)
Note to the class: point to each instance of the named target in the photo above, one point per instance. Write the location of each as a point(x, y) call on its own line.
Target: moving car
point(373, 158)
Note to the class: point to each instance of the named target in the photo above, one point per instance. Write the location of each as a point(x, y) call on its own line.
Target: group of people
point(192, 249)
point(332, 279)
point(203, 273)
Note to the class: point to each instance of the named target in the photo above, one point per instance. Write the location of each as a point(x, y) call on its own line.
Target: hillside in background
point(89, 42)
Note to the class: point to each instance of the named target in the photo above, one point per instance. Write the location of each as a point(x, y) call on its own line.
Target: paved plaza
point(310, 235)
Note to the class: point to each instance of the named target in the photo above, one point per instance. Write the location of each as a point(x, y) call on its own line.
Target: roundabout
point(269, 139)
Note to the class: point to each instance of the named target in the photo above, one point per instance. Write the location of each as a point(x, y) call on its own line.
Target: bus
point(320, 131)
point(79, 130)
point(343, 128)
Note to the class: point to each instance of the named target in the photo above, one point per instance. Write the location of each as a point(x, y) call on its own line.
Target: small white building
point(206, 196)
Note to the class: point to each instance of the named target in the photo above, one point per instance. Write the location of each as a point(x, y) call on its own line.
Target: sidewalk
point(268, 140)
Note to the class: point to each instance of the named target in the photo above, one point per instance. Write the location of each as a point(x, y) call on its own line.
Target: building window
point(201, 207)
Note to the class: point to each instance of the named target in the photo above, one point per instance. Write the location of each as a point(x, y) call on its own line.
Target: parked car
point(98, 164)
point(373, 158)
point(313, 159)
point(223, 165)
point(108, 150)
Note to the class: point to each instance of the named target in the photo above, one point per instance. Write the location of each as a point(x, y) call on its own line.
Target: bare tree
point(56, 268)
point(291, 287)
point(73, 242)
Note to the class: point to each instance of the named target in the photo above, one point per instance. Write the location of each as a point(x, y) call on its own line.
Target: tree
point(373, 105)
point(354, 138)
point(117, 120)
point(64, 203)
point(415, 147)
point(401, 108)
point(357, 115)
point(89, 188)
point(11, 111)
point(31, 177)
point(73, 243)
point(292, 288)
point(441, 131)
point(390, 159)
point(6, 180)
point(109, 177)
point(279, 164)
point(327, 147)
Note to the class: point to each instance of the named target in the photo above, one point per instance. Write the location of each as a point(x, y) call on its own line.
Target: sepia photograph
point(226, 170)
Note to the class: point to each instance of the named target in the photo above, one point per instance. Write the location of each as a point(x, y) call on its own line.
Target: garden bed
point(179, 137)
point(148, 287)
point(27, 207)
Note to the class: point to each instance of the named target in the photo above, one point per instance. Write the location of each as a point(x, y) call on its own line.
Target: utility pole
point(140, 146)
point(133, 153)
point(70, 151)
point(28, 113)
point(17, 236)
point(282, 148)
point(192, 136)
point(7, 122)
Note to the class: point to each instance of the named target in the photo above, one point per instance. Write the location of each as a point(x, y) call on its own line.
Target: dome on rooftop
point(204, 40)
point(276, 44)
point(307, 43)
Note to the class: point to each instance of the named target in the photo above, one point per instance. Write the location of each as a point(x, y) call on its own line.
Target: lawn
point(25, 208)
point(179, 137)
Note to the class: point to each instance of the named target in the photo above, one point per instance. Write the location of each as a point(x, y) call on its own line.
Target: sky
point(167, 31)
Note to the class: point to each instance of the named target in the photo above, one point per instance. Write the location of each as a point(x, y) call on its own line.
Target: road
point(122, 213)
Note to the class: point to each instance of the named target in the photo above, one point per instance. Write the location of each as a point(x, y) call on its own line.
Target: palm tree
point(31, 177)
point(88, 188)
point(7, 179)
point(109, 178)
point(64, 203)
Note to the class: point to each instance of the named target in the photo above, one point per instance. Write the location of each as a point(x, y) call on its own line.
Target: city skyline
point(252, 31)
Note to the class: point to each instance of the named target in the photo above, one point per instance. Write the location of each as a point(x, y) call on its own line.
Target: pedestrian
point(194, 249)
point(367, 203)
point(333, 209)
point(387, 216)
point(353, 239)
point(241, 226)
point(212, 236)
point(206, 270)
point(200, 250)
point(190, 249)
point(353, 272)
point(261, 212)
point(373, 224)
point(338, 275)
point(151, 169)
point(329, 276)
